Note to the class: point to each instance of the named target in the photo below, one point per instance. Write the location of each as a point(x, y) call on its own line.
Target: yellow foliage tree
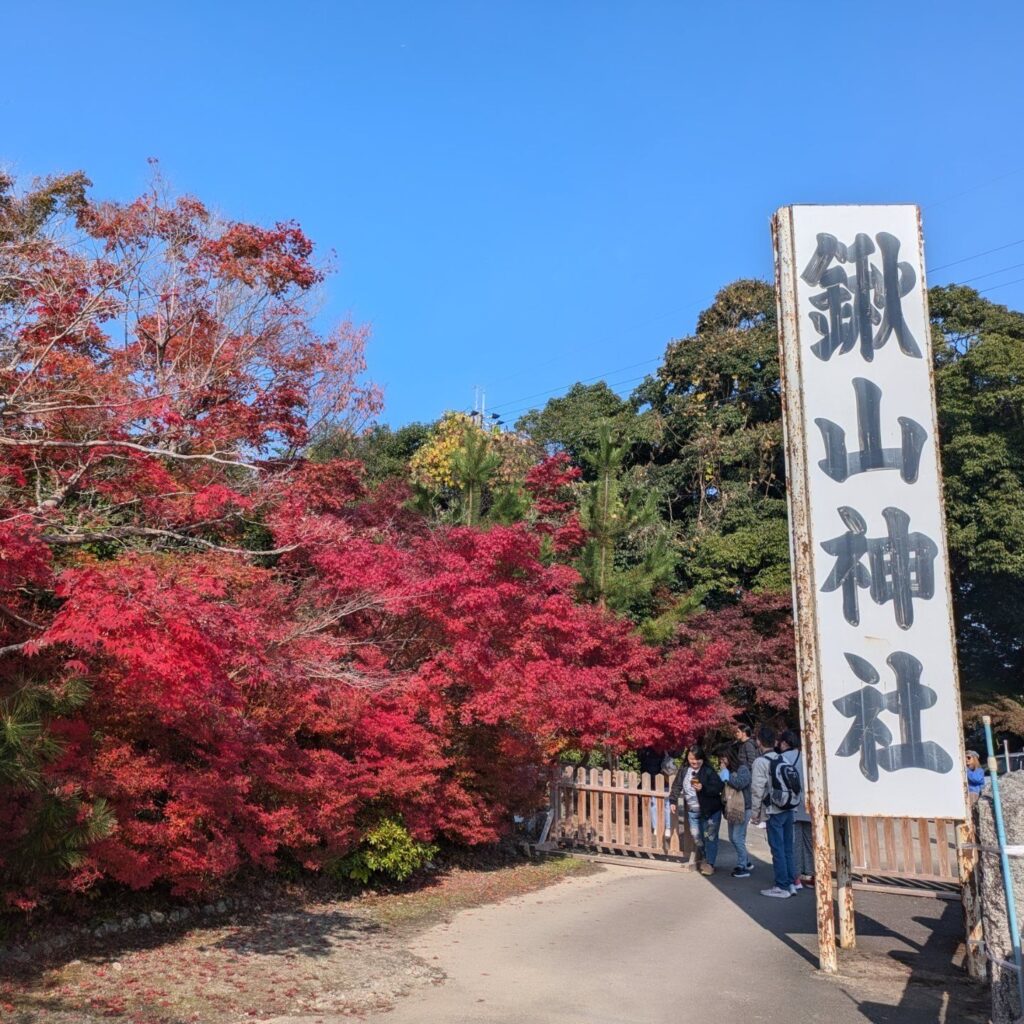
point(435, 466)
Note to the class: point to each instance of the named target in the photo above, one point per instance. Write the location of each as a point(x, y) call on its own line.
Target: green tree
point(384, 452)
point(716, 401)
point(979, 356)
point(57, 826)
point(572, 423)
point(473, 466)
point(628, 553)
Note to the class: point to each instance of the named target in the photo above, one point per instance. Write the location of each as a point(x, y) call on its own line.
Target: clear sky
point(521, 195)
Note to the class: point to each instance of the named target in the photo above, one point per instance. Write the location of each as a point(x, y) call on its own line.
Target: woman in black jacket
point(701, 789)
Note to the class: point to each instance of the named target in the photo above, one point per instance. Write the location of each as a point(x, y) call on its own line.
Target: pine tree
point(56, 828)
point(473, 465)
point(629, 550)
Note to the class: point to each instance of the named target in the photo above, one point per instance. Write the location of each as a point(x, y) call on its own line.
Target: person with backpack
point(775, 792)
point(803, 842)
point(701, 789)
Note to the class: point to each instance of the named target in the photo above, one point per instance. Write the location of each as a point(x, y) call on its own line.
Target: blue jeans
point(738, 838)
point(660, 815)
point(780, 840)
point(705, 834)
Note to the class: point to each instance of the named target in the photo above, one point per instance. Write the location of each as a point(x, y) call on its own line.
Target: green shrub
point(386, 851)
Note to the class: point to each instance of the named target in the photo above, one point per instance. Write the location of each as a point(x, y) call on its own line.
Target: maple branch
point(162, 452)
point(17, 618)
point(119, 533)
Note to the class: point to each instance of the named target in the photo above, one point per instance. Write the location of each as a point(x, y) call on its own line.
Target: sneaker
point(750, 866)
point(740, 872)
point(707, 869)
point(776, 893)
point(794, 889)
point(761, 824)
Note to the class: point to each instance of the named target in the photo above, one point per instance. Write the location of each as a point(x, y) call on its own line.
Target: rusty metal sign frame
point(833, 832)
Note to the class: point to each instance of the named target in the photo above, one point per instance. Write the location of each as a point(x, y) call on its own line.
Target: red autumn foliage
point(277, 656)
point(555, 508)
point(760, 664)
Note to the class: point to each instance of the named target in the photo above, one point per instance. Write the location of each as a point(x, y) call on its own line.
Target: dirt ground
point(303, 964)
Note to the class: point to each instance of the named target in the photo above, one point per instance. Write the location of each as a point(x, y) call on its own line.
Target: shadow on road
point(909, 944)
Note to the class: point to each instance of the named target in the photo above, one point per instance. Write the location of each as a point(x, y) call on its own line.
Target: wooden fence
point(618, 812)
point(918, 849)
point(625, 813)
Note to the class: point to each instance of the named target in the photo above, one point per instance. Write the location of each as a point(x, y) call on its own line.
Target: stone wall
point(1006, 1007)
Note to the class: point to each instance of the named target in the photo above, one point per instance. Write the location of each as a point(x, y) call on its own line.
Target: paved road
point(634, 946)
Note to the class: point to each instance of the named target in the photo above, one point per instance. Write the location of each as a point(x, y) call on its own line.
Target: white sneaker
point(794, 889)
point(776, 893)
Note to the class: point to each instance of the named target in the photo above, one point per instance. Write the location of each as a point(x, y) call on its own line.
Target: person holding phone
point(701, 788)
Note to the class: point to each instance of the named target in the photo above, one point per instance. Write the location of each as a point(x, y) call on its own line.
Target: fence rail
point(629, 813)
point(620, 812)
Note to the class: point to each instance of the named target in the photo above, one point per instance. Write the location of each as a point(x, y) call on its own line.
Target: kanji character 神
point(900, 566)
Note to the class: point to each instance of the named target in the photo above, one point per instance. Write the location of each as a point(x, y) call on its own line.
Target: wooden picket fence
point(922, 850)
point(624, 813)
point(617, 812)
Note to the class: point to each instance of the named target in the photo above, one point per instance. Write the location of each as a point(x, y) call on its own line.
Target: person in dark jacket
point(701, 789)
point(746, 748)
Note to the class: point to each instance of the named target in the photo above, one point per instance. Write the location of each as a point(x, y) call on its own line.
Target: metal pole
point(1004, 860)
point(1006, 753)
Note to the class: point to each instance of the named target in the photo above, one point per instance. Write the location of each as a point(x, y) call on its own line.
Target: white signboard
point(866, 515)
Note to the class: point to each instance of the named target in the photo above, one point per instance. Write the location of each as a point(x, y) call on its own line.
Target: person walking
point(701, 789)
point(803, 842)
point(737, 810)
point(775, 791)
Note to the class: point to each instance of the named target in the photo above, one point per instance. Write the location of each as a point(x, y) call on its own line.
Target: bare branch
point(12, 442)
point(121, 532)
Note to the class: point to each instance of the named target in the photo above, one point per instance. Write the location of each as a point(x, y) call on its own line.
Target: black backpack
point(785, 782)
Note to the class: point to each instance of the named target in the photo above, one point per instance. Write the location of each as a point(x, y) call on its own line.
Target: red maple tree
point(276, 656)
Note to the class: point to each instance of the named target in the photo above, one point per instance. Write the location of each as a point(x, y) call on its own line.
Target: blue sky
point(521, 195)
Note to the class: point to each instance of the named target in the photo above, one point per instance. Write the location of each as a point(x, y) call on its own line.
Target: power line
point(586, 380)
point(973, 188)
point(510, 413)
point(991, 273)
point(646, 323)
point(977, 255)
point(513, 407)
point(1016, 280)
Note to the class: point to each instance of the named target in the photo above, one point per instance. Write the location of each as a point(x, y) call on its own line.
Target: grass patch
point(460, 889)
